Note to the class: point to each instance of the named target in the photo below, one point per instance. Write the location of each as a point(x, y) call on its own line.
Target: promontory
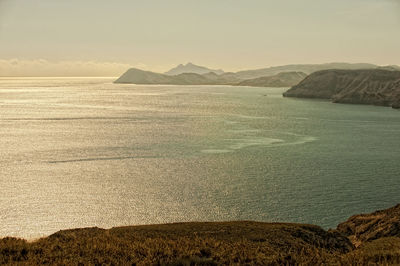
point(366, 86)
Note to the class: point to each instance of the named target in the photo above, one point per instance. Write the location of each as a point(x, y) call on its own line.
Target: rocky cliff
point(367, 86)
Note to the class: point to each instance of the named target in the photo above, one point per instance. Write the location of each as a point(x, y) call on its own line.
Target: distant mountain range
point(307, 68)
point(192, 68)
point(283, 79)
point(137, 76)
point(280, 76)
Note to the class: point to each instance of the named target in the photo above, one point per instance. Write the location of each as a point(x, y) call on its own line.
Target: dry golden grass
point(237, 243)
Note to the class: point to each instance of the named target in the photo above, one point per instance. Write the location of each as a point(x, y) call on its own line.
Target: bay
point(79, 152)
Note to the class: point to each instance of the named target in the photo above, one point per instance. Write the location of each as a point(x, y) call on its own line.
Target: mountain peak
point(192, 68)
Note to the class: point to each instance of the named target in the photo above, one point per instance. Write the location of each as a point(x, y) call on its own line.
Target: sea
point(85, 152)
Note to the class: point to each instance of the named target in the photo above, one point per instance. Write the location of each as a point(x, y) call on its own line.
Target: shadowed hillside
point(376, 87)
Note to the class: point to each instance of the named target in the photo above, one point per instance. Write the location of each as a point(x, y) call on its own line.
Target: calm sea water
point(86, 152)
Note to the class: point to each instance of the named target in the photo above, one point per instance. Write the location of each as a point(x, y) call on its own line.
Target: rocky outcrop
point(285, 79)
point(368, 227)
point(375, 87)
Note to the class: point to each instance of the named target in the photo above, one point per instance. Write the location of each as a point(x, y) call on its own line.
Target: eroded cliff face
point(363, 228)
point(375, 87)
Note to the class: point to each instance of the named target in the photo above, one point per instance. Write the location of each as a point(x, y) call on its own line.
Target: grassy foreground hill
point(238, 243)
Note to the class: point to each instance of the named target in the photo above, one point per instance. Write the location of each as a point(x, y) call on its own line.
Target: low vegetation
point(240, 243)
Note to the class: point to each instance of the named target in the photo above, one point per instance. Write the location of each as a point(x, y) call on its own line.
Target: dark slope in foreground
point(222, 243)
point(376, 87)
point(217, 243)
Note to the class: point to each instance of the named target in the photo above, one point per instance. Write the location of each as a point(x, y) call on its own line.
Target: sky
point(104, 38)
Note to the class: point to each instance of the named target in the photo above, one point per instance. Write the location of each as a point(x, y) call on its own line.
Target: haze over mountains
point(137, 76)
point(192, 68)
point(280, 76)
point(306, 68)
point(283, 79)
point(340, 82)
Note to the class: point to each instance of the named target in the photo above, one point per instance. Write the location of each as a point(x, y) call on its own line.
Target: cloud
point(42, 67)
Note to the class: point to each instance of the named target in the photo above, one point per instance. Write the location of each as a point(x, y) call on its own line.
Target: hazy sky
point(104, 37)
